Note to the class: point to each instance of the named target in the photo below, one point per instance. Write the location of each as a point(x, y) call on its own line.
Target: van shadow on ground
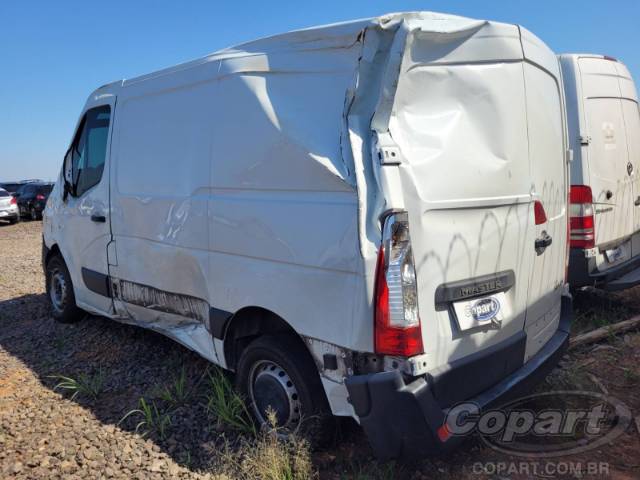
point(132, 363)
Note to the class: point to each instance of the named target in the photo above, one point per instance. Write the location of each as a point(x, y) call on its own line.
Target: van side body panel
point(217, 168)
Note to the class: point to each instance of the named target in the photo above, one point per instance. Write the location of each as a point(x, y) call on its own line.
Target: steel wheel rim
point(264, 376)
point(57, 290)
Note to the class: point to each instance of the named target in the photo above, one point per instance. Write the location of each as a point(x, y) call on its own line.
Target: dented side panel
point(231, 186)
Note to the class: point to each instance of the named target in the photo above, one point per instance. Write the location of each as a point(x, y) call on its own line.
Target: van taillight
point(397, 320)
point(39, 197)
point(581, 223)
point(13, 201)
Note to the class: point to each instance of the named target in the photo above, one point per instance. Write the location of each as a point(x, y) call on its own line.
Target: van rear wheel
point(276, 373)
point(60, 292)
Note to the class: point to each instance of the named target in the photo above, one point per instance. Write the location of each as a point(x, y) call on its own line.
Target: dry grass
point(269, 456)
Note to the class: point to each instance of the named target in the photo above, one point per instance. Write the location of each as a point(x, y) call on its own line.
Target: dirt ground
point(45, 432)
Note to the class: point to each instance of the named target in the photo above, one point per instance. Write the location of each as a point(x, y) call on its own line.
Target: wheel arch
point(50, 252)
point(249, 323)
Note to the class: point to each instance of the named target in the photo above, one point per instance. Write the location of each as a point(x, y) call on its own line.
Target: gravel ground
point(45, 433)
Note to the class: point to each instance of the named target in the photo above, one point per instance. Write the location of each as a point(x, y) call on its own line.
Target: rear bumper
point(583, 272)
point(25, 210)
point(9, 214)
point(402, 419)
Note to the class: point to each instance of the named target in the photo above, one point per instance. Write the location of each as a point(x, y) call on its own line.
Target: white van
point(366, 218)
point(604, 132)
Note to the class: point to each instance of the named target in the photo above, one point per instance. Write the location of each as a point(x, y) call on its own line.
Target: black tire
point(13, 221)
point(314, 419)
point(61, 297)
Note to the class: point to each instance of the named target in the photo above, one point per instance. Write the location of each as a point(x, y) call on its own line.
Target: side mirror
point(67, 175)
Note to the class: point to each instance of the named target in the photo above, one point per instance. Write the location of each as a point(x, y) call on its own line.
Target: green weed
point(177, 393)
point(152, 418)
point(86, 385)
point(227, 405)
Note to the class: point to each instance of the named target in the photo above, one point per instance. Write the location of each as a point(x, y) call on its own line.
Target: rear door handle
point(637, 202)
point(543, 242)
point(98, 218)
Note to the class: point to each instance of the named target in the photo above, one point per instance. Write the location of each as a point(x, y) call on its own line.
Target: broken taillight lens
point(582, 232)
point(397, 321)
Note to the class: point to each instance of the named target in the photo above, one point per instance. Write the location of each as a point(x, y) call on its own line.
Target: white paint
point(251, 178)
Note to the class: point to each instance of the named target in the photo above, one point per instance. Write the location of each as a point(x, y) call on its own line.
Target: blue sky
point(53, 54)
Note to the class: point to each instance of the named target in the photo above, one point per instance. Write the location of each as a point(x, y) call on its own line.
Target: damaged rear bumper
point(403, 419)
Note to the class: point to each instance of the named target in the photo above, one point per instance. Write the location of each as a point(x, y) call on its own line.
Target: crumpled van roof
point(335, 35)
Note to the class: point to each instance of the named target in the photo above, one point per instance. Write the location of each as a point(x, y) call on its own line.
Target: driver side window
point(89, 149)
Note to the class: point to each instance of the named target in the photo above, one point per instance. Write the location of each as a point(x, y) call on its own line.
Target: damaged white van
point(366, 218)
point(604, 134)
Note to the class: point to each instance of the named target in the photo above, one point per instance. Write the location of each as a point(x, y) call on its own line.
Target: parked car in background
point(32, 198)
point(383, 248)
point(8, 207)
point(604, 134)
point(13, 187)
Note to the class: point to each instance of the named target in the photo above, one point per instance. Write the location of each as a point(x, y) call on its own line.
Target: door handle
point(98, 218)
point(543, 242)
point(637, 202)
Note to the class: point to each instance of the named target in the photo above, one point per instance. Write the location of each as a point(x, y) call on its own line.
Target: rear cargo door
point(610, 172)
point(548, 163)
point(631, 116)
point(460, 123)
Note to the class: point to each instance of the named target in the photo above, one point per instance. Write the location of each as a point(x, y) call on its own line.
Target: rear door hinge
point(387, 150)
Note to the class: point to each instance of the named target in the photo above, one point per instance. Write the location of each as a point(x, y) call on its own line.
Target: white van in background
point(366, 218)
point(604, 134)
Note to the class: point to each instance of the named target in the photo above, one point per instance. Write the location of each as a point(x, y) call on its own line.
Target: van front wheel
point(60, 292)
point(276, 374)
